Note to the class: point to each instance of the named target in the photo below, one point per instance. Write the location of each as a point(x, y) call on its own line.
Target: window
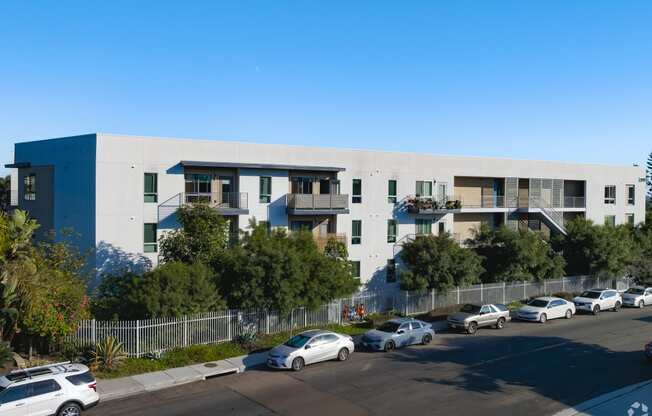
point(416, 325)
point(423, 226)
point(355, 268)
point(79, 379)
point(610, 220)
point(391, 231)
point(404, 327)
point(485, 309)
point(43, 387)
point(198, 187)
point(424, 189)
point(610, 194)
point(356, 196)
point(150, 238)
point(151, 187)
point(442, 228)
point(391, 191)
point(30, 187)
point(265, 190)
point(629, 219)
point(13, 394)
point(391, 271)
point(356, 232)
point(631, 194)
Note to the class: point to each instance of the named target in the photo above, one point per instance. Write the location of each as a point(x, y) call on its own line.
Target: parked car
point(310, 347)
point(545, 308)
point(471, 317)
point(397, 333)
point(597, 300)
point(61, 389)
point(637, 297)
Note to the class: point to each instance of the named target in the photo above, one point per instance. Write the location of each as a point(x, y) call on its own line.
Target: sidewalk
point(631, 400)
point(128, 386)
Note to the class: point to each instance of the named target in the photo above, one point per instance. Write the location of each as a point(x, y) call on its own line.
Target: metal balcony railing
point(314, 202)
point(237, 200)
point(489, 201)
point(574, 202)
point(428, 204)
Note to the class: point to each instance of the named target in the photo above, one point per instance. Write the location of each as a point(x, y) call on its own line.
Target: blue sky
point(557, 80)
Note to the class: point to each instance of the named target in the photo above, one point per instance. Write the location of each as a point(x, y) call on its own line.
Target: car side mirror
point(307, 347)
point(400, 331)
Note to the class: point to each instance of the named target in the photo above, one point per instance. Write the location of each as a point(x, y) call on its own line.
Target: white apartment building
point(120, 193)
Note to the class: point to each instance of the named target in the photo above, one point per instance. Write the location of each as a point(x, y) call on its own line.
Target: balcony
point(226, 203)
point(317, 204)
point(490, 201)
point(574, 202)
point(322, 239)
point(433, 206)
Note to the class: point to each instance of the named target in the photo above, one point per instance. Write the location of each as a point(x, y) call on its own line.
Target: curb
point(140, 383)
point(601, 400)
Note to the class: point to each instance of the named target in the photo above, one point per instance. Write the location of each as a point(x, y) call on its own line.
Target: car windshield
point(590, 294)
point(388, 327)
point(538, 303)
point(468, 308)
point(635, 290)
point(297, 341)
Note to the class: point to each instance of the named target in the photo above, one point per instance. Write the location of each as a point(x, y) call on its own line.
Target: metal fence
point(155, 335)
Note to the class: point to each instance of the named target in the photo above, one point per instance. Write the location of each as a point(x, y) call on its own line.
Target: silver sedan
point(310, 347)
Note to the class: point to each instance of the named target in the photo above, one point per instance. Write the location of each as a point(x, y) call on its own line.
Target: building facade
point(120, 193)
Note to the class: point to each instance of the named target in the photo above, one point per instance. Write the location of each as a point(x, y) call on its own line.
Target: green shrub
point(6, 353)
point(108, 354)
point(76, 351)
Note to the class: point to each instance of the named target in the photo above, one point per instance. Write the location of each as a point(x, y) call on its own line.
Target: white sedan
point(542, 309)
point(310, 347)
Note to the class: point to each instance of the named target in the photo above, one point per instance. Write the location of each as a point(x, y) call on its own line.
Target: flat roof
point(199, 164)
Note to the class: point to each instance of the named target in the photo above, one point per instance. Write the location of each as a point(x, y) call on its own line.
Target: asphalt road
point(524, 369)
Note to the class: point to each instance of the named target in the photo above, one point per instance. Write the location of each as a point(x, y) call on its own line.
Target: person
point(345, 312)
point(361, 312)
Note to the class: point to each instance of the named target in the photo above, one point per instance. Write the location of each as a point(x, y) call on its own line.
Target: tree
point(277, 271)
point(438, 262)
point(598, 250)
point(170, 290)
point(640, 267)
point(515, 255)
point(202, 237)
point(5, 193)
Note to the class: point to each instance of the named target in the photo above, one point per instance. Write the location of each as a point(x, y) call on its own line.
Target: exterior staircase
point(553, 217)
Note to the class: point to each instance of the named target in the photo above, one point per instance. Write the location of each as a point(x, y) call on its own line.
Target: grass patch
point(197, 354)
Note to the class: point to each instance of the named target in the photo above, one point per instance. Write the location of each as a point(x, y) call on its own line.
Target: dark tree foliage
point(438, 262)
point(170, 290)
point(281, 271)
point(515, 255)
point(599, 250)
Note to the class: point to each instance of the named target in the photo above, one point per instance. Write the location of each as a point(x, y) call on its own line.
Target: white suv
point(62, 389)
point(596, 300)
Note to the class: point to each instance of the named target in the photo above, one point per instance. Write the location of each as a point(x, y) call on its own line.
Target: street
point(524, 369)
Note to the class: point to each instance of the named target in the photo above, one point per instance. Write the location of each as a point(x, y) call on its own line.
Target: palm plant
point(108, 354)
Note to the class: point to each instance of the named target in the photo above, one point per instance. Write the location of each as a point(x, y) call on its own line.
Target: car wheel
point(426, 339)
point(641, 304)
point(500, 324)
point(298, 364)
point(69, 409)
point(543, 318)
point(390, 346)
point(473, 327)
point(596, 309)
point(617, 307)
point(569, 314)
point(343, 355)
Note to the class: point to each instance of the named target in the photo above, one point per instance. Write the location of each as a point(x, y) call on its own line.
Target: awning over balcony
point(233, 165)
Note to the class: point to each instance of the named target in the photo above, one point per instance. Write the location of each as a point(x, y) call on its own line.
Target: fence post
point(458, 295)
point(407, 300)
point(266, 321)
point(524, 290)
point(305, 318)
point(228, 325)
point(432, 299)
point(563, 284)
point(504, 300)
point(544, 287)
point(185, 330)
point(93, 332)
point(598, 284)
point(137, 338)
point(481, 293)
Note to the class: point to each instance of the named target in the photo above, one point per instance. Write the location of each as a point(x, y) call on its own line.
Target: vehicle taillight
point(93, 386)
